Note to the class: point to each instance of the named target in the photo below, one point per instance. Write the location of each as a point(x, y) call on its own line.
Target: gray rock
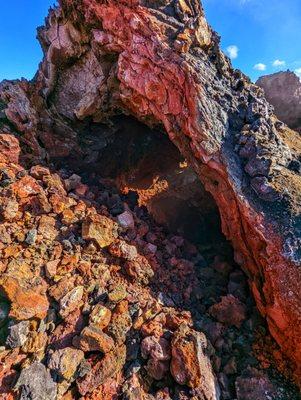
point(17, 334)
point(31, 237)
point(35, 383)
point(4, 311)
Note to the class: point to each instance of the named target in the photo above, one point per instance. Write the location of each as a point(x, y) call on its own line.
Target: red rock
point(65, 332)
point(121, 322)
point(157, 348)
point(139, 270)
point(39, 171)
point(110, 365)
point(9, 146)
point(47, 227)
point(229, 311)
point(190, 365)
point(93, 339)
point(119, 248)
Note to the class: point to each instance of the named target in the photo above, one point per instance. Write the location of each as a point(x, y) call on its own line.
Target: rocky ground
point(99, 302)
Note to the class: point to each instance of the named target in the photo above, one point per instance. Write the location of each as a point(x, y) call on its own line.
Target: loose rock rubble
point(99, 302)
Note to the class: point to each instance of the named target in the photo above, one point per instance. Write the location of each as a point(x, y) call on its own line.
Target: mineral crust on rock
point(113, 304)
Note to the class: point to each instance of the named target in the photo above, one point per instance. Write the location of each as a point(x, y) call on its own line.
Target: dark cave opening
point(143, 161)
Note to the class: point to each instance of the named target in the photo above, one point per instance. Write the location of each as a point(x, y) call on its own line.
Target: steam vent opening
point(136, 168)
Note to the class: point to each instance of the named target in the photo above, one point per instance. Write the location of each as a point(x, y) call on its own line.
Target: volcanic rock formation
point(209, 129)
point(283, 91)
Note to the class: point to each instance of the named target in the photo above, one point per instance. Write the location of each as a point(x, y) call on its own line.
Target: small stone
point(139, 270)
point(189, 363)
point(100, 316)
point(36, 383)
point(71, 301)
point(10, 147)
point(9, 209)
point(101, 229)
point(157, 369)
point(121, 249)
point(110, 365)
point(121, 322)
point(254, 385)
point(65, 362)
point(51, 268)
point(27, 295)
point(94, 339)
point(47, 227)
point(157, 348)
point(151, 248)
point(126, 220)
point(17, 334)
point(38, 171)
point(159, 353)
point(117, 294)
point(31, 237)
point(230, 311)
point(35, 343)
point(72, 182)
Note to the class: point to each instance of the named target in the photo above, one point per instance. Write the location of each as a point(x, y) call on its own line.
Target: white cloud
point(260, 67)
point(232, 51)
point(298, 72)
point(279, 63)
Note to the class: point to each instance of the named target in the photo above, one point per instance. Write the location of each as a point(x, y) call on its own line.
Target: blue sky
point(256, 33)
point(265, 35)
point(19, 49)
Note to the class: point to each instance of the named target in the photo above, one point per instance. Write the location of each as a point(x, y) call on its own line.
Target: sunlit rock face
point(283, 91)
point(160, 63)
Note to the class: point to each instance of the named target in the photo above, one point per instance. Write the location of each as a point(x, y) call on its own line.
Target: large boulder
point(283, 91)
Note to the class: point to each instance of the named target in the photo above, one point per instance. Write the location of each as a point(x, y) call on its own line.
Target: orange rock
point(27, 296)
point(101, 229)
point(100, 316)
point(94, 339)
point(25, 187)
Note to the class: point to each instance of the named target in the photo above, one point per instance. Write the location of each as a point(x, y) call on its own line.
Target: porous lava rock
point(283, 91)
point(161, 63)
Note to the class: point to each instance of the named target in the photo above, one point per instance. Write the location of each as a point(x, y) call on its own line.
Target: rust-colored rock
point(101, 229)
point(25, 291)
point(93, 339)
point(190, 365)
